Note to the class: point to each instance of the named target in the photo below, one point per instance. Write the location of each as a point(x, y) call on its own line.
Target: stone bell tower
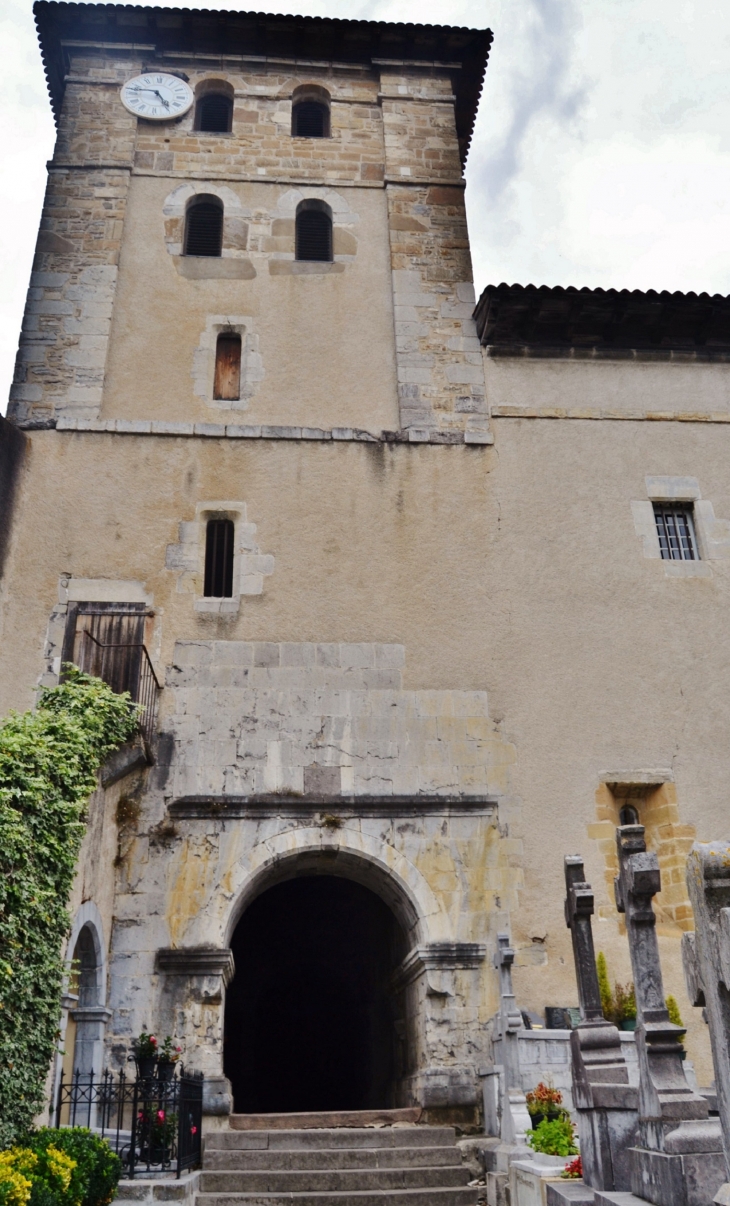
point(248, 367)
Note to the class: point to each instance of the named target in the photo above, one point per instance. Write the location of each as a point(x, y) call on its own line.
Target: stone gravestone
point(607, 1105)
point(679, 1161)
point(707, 970)
point(514, 1119)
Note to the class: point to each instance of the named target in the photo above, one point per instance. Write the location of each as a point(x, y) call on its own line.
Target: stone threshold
point(243, 431)
point(325, 1119)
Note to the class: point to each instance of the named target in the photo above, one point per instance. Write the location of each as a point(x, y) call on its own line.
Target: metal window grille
point(314, 235)
point(153, 1124)
point(227, 383)
point(676, 533)
point(219, 559)
point(310, 119)
point(214, 113)
point(204, 229)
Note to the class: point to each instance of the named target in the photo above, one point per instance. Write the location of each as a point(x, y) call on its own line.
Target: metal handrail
point(144, 691)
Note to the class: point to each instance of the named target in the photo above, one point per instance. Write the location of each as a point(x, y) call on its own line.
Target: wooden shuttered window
point(204, 228)
point(219, 559)
point(227, 383)
point(310, 119)
point(313, 235)
point(213, 114)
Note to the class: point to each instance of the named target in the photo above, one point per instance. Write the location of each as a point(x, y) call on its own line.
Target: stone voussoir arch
point(235, 216)
point(375, 865)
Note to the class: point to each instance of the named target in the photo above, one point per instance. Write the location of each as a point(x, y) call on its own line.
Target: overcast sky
point(601, 157)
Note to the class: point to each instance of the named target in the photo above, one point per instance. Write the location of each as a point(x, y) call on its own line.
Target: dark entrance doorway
point(310, 1016)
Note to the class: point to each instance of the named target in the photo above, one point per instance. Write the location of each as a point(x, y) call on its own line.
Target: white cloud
point(601, 156)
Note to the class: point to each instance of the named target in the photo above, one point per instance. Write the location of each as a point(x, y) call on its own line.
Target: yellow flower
point(15, 1183)
point(60, 1165)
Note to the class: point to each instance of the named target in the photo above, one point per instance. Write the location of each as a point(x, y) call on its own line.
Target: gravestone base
point(676, 1179)
point(722, 1197)
point(604, 1197)
point(569, 1193)
point(606, 1136)
point(498, 1189)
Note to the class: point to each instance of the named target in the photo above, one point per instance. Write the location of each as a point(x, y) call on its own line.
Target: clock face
point(157, 96)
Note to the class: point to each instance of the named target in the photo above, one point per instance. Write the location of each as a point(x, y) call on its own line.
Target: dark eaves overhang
point(314, 41)
point(524, 320)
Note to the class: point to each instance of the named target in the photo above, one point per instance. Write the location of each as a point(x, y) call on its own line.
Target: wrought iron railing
point(125, 667)
point(153, 1124)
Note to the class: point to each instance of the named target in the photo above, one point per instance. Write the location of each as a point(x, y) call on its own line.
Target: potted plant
point(554, 1136)
point(156, 1129)
point(167, 1058)
point(144, 1051)
point(543, 1103)
point(574, 1170)
point(619, 1005)
point(624, 1010)
point(676, 1018)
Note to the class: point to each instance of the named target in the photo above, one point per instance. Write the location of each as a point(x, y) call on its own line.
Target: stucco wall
point(517, 570)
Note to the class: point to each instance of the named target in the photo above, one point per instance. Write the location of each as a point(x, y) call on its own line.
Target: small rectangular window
point(676, 533)
point(227, 384)
point(219, 559)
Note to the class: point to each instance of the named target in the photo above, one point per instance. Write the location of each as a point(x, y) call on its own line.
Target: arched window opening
point(629, 815)
point(219, 559)
point(227, 384)
point(214, 113)
point(313, 231)
point(204, 227)
point(310, 119)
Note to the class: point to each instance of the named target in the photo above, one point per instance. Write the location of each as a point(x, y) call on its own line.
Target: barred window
point(313, 231)
point(219, 559)
point(676, 533)
point(204, 226)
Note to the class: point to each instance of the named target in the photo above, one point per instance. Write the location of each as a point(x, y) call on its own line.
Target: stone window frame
point(312, 92)
point(203, 369)
point(281, 245)
point(250, 565)
point(213, 86)
point(713, 534)
point(236, 217)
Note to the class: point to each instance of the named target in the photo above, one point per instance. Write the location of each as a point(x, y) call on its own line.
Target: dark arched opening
point(204, 226)
point(313, 231)
point(311, 1016)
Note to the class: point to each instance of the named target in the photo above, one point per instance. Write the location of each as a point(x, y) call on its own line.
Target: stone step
point(333, 1180)
point(224, 1160)
point(323, 1119)
point(466, 1196)
point(350, 1137)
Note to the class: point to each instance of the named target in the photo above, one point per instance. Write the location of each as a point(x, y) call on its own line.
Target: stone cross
point(606, 1103)
point(665, 1096)
point(578, 913)
point(708, 882)
point(680, 1159)
point(510, 1017)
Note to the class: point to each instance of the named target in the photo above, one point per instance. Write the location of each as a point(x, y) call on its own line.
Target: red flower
point(193, 1130)
point(161, 1115)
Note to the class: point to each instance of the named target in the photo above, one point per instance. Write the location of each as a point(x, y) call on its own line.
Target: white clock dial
point(157, 96)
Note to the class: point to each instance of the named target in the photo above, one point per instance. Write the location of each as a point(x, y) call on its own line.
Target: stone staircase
point(365, 1166)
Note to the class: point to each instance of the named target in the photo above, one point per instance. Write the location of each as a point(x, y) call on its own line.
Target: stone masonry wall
point(313, 731)
point(65, 334)
point(441, 383)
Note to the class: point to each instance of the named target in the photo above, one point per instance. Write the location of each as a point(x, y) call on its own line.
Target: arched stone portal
point(312, 1019)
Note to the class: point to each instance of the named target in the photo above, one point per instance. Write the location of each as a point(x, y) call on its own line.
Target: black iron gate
point(153, 1124)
